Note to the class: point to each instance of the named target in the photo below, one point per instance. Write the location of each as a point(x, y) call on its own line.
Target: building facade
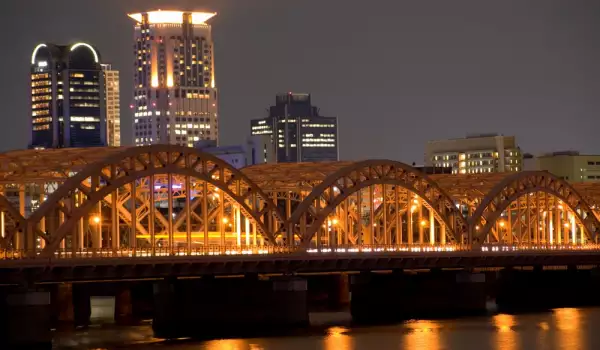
point(175, 96)
point(298, 133)
point(483, 153)
point(67, 97)
point(113, 106)
point(571, 166)
point(256, 150)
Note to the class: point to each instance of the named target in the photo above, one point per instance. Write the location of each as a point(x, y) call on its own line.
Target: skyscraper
point(67, 97)
point(113, 105)
point(298, 132)
point(175, 97)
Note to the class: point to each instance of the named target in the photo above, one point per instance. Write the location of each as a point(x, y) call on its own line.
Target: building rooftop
point(172, 17)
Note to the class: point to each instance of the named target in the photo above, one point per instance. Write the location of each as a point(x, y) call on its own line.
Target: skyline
point(519, 75)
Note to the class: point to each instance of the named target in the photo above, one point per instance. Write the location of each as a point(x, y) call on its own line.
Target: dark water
point(573, 329)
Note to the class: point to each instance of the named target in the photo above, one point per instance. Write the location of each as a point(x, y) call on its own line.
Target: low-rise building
point(571, 166)
point(481, 153)
point(257, 150)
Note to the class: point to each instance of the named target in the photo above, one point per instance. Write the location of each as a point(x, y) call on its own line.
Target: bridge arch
point(543, 202)
point(11, 214)
point(395, 180)
point(79, 194)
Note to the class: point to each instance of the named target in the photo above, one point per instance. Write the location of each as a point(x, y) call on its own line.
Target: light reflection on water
point(560, 329)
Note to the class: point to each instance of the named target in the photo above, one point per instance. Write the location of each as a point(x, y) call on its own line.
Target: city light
point(172, 17)
point(96, 219)
point(78, 45)
point(35, 51)
point(225, 220)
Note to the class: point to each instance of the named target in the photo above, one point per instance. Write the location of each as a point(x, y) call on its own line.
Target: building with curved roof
point(67, 97)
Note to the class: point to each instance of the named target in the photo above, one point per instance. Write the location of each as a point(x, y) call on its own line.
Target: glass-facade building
point(298, 132)
point(67, 97)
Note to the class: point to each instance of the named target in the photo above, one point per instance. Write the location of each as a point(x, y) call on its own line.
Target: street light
point(423, 223)
point(225, 220)
point(96, 219)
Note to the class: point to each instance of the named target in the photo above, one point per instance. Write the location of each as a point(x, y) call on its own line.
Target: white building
point(258, 149)
point(482, 153)
point(113, 105)
point(175, 96)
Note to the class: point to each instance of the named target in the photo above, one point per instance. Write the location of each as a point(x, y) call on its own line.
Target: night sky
point(396, 72)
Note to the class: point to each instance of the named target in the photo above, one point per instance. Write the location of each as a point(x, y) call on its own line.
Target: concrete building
point(302, 135)
point(571, 166)
point(257, 150)
point(175, 95)
point(67, 97)
point(113, 105)
point(482, 153)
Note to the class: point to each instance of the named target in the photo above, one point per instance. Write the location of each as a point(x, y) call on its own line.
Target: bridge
point(157, 200)
point(167, 211)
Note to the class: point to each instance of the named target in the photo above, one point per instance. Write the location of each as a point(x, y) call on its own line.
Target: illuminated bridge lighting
point(172, 201)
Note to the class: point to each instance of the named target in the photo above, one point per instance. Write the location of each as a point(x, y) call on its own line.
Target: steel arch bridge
point(165, 200)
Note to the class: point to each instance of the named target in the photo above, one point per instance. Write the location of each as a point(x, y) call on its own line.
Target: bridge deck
point(52, 270)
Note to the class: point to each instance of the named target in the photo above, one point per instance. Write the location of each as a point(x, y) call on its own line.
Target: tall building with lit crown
point(67, 97)
point(175, 97)
point(298, 132)
point(113, 106)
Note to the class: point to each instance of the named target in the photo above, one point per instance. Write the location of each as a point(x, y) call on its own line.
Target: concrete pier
point(538, 289)
point(211, 307)
point(25, 320)
point(397, 296)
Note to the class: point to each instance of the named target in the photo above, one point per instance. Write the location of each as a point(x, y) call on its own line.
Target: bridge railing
point(491, 248)
point(216, 250)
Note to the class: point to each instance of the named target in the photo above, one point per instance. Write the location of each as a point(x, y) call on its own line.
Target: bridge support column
point(82, 307)
point(390, 297)
point(123, 305)
point(25, 320)
point(62, 304)
point(226, 307)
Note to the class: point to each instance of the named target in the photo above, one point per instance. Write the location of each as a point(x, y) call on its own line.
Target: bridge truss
point(176, 200)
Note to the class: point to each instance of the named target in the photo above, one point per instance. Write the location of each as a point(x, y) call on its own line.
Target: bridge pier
point(25, 320)
point(221, 307)
point(396, 296)
point(328, 292)
point(539, 289)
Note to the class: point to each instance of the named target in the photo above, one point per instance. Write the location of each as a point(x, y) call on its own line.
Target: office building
point(298, 132)
point(67, 97)
point(113, 105)
point(482, 153)
point(571, 166)
point(175, 96)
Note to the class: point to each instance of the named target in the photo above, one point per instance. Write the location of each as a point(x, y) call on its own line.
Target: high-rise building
point(67, 97)
point(298, 132)
point(113, 105)
point(175, 96)
point(482, 153)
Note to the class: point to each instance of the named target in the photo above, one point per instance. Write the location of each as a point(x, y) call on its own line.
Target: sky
point(396, 73)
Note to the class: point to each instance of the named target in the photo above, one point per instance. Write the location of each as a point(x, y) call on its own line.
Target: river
point(569, 328)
